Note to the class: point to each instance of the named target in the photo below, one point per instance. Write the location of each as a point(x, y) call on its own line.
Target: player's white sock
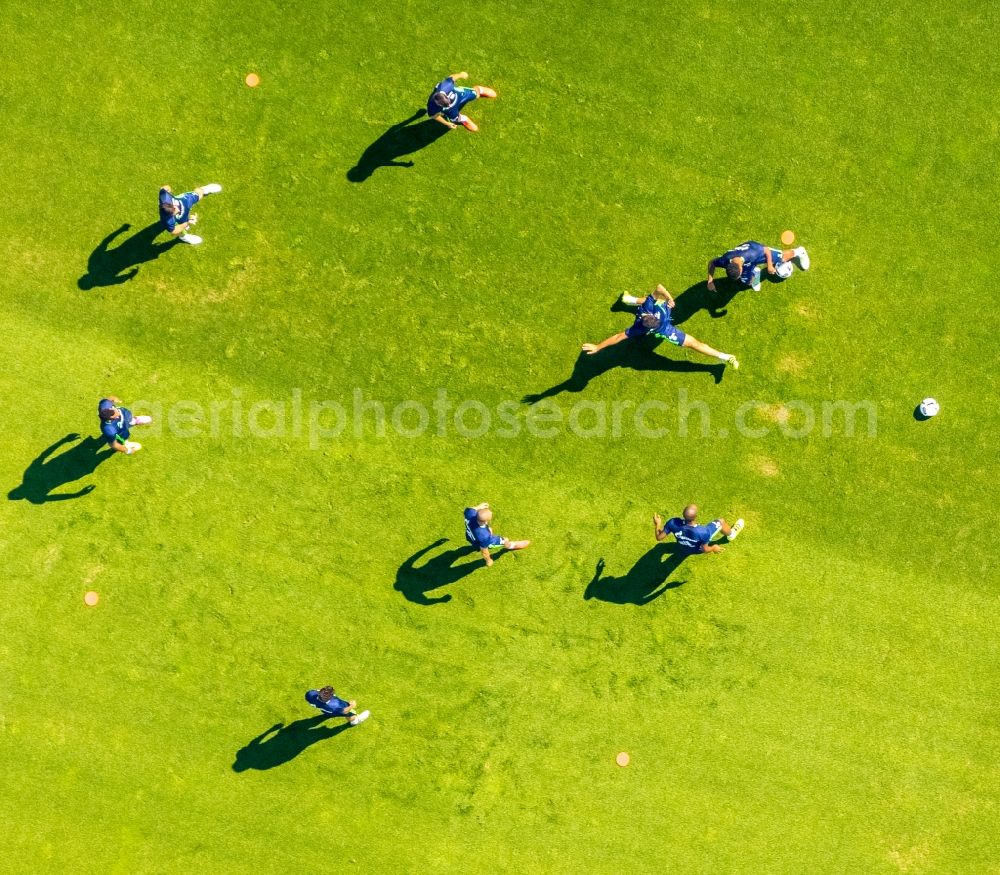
point(212, 188)
point(730, 360)
point(632, 300)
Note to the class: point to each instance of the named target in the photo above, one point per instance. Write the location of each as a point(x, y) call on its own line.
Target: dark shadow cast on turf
point(110, 267)
point(47, 472)
point(698, 297)
point(648, 579)
point(403, 138)
point(638, 355)
point(414, 583)
point(279, 744)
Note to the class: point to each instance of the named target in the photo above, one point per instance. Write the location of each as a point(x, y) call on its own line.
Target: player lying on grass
point(447, 99)
point(653, 317)
point(116, 424)
point(326, 700)
point(480, 535)
point(691, 537)
point(745, 261)
point(175, 212)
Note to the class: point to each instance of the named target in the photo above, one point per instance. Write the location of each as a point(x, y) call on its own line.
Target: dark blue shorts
point(673, 334)
point(491, 544)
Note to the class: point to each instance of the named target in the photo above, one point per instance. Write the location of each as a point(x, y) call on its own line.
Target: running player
point(480, 535)
point(447, 99)
point(175, 212)
point(116, 424)
point(326, 700)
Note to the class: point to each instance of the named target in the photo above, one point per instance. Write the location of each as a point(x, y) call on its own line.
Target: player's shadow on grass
point(414, 583)
point(403, 138)
point(648, 579)
point(695, 298)
point(638, 355)
point(279, 744)
point(47, 472)
point(110, 267)
point(698, 297)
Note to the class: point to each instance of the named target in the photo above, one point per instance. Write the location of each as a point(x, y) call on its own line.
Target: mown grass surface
point(821, 697)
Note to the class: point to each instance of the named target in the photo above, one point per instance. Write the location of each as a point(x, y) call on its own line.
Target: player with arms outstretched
point(653, 317)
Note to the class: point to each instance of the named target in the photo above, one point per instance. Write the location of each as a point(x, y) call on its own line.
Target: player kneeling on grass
point(116, 423)
point(326, 700)
point(653, 317)
point(175, 212)
point(480, 535)
point(447, 99)
point(745, 261)
point(691, 537)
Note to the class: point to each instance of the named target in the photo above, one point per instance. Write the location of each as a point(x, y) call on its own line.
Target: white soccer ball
point(784, 270)
point(929, 407)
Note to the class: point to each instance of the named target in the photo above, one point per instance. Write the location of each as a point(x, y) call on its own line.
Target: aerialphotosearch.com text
point(359, 415)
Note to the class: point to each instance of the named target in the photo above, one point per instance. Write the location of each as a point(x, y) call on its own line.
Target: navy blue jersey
point(691, 538)
point(334, 706)
point(658, 309)
point(183, 204)
point(457, 98)
point(753, 257)
point(479, 534)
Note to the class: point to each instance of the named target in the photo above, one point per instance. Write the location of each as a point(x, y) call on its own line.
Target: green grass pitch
point(822, 697)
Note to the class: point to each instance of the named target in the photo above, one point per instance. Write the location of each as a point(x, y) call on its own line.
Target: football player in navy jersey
point(653, 317)
point(744, 262)
point(479, 534)
point(691, 537)
point(116, 425)
point(327, 701)
point(175, 212)
point(447, 99)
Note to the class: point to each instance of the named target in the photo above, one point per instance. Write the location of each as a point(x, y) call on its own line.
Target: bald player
point(480, 535)
point(691, 537)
